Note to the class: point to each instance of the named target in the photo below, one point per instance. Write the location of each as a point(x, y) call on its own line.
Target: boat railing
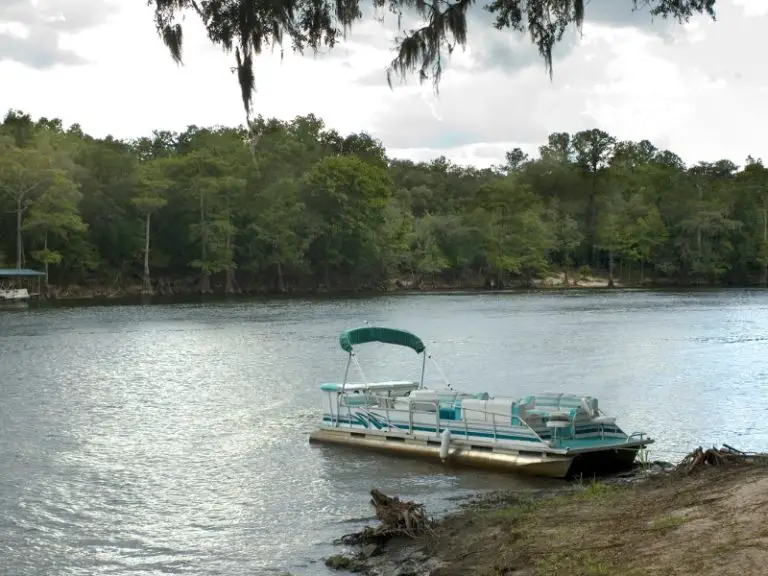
point(438, 429)
point(638, 435)
point(386, 403)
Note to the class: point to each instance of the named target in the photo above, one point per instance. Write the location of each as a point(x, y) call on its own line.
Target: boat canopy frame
point(367, 334)
point(350, 338)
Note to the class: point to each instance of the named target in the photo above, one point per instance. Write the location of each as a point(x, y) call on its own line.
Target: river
point(173, 438)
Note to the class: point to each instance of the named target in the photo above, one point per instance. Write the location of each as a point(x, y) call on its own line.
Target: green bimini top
point(19, 272)
point(367, 334)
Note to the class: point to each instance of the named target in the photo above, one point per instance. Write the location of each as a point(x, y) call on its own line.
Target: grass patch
point(667, 523)
point(572, 563)
point(723, 548)
point(600, 529)
point(596, 491)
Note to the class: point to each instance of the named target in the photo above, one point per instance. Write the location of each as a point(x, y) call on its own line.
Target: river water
point(173, 438)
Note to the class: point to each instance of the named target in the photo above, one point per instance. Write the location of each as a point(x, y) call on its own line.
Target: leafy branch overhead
point(248, 27)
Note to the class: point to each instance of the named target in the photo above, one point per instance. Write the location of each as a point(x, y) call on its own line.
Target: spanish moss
point(248, 27)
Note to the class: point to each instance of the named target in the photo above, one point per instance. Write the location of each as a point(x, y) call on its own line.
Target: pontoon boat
point(552, 434)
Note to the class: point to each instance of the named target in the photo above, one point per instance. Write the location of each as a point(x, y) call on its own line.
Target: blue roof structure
point(17, 272)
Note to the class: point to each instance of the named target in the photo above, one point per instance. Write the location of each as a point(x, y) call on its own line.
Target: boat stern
point(604, 457)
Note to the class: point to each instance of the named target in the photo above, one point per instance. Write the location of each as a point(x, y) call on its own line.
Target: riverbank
point(165, 288)
point(711, 522)
point(188, 289)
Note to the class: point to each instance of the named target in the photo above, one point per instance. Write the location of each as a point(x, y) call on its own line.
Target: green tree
point(347, 199)
point(567, 236)
point(517, 238)
point(277, 232)
point(610, 231)
point(593, 150)
point(29, 174)
point(55, 213)
point(429, 257)
point(644, 231)
point(754, 184)
point(305, 207)
point(153, 185)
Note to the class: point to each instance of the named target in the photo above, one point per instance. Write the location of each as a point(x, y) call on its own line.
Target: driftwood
point(396, 517)
point(727, 456)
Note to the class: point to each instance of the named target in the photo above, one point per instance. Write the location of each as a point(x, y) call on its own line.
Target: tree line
point(301, 207)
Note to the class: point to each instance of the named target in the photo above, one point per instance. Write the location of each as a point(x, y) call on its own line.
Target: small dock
point(16, 284)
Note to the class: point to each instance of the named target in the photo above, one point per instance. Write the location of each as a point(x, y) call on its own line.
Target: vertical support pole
point(346, 372)
point(339, 394)
point(423, 368)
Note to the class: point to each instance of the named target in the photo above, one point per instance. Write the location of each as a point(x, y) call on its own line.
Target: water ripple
point(173, 439)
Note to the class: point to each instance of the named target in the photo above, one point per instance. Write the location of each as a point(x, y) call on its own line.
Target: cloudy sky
point(698, 90)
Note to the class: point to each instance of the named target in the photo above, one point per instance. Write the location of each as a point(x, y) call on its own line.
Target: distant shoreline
point(187, 289)
point(134, 296)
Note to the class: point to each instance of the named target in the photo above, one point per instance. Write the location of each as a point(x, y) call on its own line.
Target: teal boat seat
point(574, 406)
point(358, 400)
point(448, 412)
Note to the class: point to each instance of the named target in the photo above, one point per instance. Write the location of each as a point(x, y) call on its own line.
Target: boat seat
point(417, 404)
point(502, 411)
point(359, 400)
point(561, 407)
point(604, 420)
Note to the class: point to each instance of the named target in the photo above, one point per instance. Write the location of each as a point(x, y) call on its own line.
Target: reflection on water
point(173, 438)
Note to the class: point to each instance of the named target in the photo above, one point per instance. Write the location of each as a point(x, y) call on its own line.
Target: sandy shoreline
point(711, 521)
point(188, 288)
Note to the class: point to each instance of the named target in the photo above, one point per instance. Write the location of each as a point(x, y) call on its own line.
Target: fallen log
point(726, 456)
point(397, 518)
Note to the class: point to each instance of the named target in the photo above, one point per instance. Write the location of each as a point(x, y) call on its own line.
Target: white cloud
point(696, 89)
point(753, 7)
point(31, 30)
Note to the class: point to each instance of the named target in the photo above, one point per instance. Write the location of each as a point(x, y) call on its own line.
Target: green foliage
point(306, 208)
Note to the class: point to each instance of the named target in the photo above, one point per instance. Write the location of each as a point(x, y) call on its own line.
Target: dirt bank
point(712, 522)
point(190, 286)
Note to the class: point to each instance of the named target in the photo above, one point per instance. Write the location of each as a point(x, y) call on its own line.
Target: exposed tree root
point(727, 456)
point(396, 517)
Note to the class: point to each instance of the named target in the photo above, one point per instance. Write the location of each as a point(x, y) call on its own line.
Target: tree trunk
point(205, 279)
point(698, 229)
point(45, 248)
point(280, 279)
point(146, 281)
point(610, 269)
point(19, 258)
point(230, 283)
point(326, 267)
point(592, 218)
point(764, 279)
